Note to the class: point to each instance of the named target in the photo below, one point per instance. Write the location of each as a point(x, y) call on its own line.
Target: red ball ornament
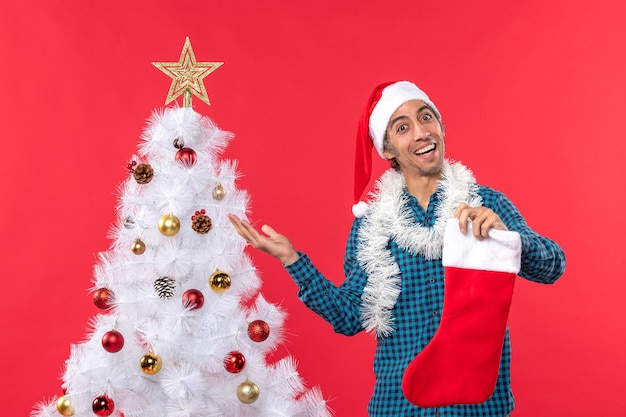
point(103, 298)
point(103, 406)
point(187, 156)
point(193, 299)
point(258, 330)
point(197, 213)
point(234, 362)
point(131, 166)
point(112, 341)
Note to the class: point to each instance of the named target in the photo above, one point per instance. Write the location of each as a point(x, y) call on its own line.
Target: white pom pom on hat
point(359, 209)
point(383, 102)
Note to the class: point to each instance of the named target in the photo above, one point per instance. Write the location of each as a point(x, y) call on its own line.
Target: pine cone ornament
point(143, 173)
point(201, 223)
point(165, 287)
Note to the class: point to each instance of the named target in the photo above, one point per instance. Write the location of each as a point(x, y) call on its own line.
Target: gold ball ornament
point(169, 225)
point(248, 392)
point(138, 247)
point(64, 406)
point(219, 192)
point(220, 281)
point(150, 363)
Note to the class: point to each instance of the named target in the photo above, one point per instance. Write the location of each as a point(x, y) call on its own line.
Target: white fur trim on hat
point(393, 96)
point(500, 252)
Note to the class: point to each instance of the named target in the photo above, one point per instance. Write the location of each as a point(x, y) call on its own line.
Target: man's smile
point(426, 149)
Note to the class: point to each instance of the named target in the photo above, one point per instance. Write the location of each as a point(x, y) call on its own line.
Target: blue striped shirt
point(418, 308)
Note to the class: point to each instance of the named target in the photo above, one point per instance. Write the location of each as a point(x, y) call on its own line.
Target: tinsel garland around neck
point(389, 216)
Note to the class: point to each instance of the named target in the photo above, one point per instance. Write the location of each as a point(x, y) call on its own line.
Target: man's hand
point(272, 242)
point(482, 219)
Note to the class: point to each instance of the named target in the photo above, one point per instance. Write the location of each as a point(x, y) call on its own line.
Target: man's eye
point(402, 128)
point(427, 117)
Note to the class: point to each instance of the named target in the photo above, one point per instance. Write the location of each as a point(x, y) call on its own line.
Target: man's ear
point(388, 155)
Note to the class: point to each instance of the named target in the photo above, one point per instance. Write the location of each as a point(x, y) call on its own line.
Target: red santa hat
point(383, 102)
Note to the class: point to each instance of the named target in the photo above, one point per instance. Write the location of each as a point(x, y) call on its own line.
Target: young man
point(393, 263)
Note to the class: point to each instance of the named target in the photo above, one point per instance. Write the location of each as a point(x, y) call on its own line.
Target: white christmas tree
point(184, 330)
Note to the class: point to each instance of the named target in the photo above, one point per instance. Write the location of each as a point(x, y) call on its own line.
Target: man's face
point(415, 139)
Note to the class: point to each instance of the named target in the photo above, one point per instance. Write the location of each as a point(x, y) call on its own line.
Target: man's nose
point(420, 132)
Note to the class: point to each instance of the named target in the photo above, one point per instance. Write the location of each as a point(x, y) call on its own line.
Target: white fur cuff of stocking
point(500, 252)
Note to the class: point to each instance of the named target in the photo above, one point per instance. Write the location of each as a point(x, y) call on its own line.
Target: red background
point(533, 98)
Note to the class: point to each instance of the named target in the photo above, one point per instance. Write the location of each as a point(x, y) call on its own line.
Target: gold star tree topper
point(187, 76)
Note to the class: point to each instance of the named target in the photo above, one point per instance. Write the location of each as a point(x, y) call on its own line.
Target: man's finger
point(459, 209)
point(268, 230)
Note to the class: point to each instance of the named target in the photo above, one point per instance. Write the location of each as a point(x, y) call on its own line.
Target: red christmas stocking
point(460, 364)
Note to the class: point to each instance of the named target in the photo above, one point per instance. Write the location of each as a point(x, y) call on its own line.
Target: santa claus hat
point(383, 102)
